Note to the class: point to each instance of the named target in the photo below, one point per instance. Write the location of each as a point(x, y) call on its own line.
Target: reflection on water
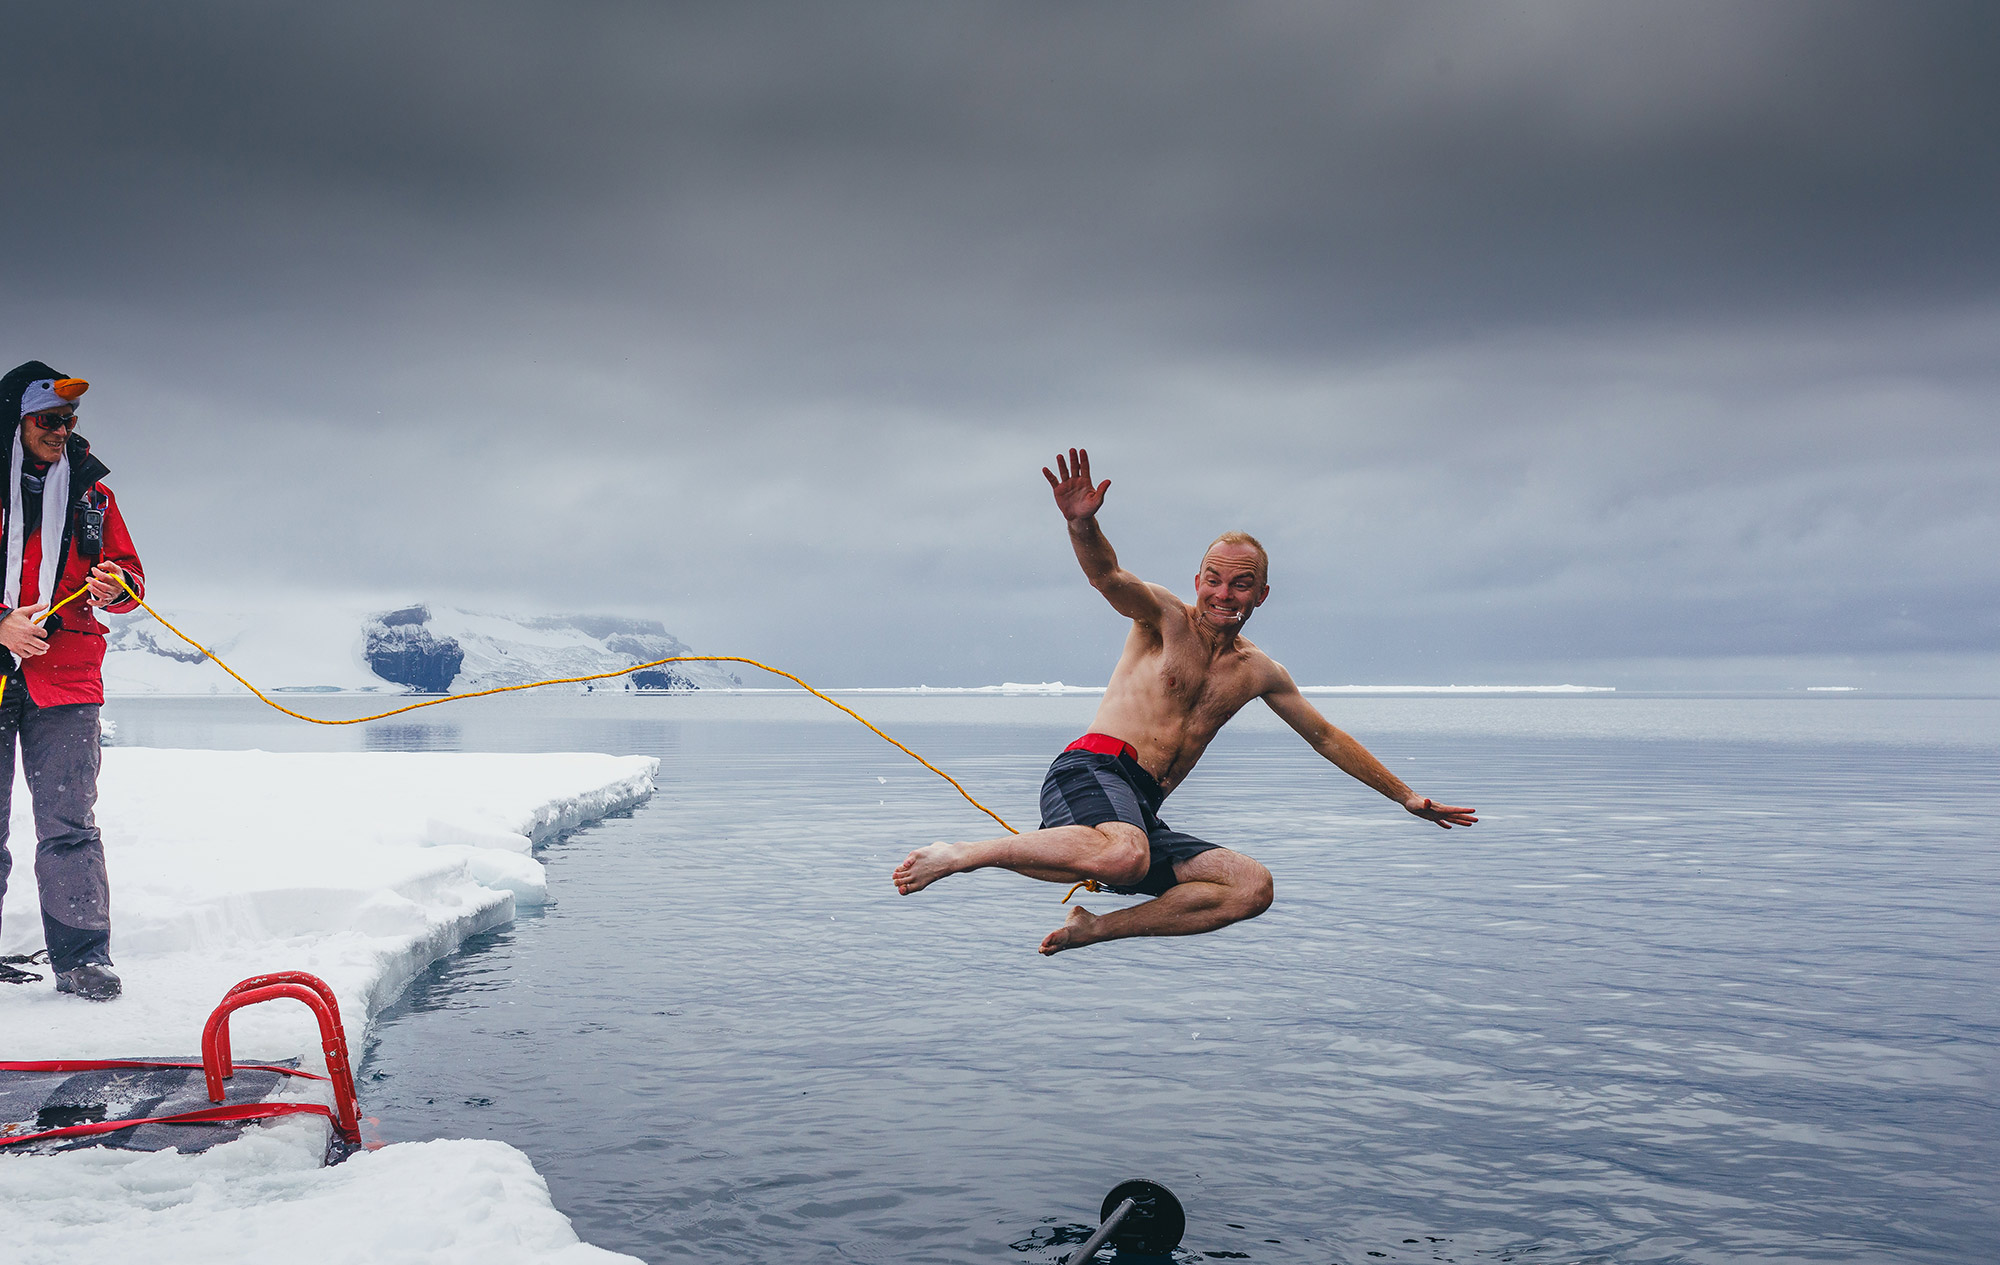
point(1681, 996)
point(390, 736)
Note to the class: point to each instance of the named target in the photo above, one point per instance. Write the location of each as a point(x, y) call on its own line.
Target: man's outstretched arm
point(1353, 759)
point(1079, 500)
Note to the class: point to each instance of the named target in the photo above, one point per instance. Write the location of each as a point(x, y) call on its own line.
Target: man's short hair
point(1245, 538)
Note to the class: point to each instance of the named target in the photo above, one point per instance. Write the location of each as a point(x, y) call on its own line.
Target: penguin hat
point(50, 394)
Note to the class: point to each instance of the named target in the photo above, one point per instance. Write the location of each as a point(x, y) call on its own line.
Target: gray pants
point(60, 754)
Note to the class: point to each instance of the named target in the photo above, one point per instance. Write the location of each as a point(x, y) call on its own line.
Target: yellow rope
point(563, 680)
point(44, 616)
point(1089, 884)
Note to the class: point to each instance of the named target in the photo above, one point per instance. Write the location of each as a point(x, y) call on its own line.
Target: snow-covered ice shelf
point(362, 868)
point(265, 1199)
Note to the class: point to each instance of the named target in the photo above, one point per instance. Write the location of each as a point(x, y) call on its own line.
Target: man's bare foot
point(926, 866)
point(1077, 930)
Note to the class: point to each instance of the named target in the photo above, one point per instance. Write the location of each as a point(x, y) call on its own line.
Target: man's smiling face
point(1229, 586)
point(45, 442)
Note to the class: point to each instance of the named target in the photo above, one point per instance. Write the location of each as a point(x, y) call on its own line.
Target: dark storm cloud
point(1305, 174)
point(1535, 334)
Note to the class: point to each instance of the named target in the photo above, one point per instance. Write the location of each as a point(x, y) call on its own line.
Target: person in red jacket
point(62, 533)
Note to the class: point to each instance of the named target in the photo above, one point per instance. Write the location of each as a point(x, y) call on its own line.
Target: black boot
point(93, 981)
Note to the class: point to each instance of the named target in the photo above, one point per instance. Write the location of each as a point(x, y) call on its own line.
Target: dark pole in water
point(1138, 1216)
point(1095, 1241)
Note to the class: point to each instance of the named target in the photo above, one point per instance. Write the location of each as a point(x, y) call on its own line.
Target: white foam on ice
point(362, 868)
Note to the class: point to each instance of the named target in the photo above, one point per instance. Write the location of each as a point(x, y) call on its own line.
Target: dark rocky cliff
point(402, 650)
point(661, 679)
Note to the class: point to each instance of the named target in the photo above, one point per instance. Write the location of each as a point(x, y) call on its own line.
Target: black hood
point(13, 387)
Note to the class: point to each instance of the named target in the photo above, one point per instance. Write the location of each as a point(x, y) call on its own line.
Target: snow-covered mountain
point(425, 648)
point(446, 650)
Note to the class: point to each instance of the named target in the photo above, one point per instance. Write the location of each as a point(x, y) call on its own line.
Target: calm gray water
point(1713, 980)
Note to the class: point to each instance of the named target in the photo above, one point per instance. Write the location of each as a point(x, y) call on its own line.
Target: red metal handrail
point(215, 1059)
point(313, 982)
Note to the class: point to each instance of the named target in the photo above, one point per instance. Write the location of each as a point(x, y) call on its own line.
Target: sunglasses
point(54, 421)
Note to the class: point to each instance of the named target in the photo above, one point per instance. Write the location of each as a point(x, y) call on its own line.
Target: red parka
point(73, 669)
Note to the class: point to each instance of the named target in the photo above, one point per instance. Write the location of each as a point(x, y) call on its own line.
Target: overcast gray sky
point(1646, 344)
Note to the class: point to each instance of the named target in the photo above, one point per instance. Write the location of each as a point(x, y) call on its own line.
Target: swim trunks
point(1100, 779)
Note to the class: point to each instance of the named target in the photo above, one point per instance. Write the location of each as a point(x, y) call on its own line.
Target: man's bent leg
point(60, 754)
point(1111, 853)
point(1213, 890)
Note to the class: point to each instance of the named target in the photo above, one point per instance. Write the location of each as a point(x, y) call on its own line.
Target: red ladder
point(218, 1066)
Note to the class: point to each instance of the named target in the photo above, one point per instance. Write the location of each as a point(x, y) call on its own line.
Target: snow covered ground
point(361, 868)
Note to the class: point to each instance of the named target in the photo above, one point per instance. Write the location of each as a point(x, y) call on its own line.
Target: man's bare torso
point(1175, 686)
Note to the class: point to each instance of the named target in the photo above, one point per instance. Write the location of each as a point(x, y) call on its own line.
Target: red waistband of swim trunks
point(1103, 744)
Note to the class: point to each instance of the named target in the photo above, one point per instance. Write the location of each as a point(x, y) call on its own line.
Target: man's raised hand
point(1075, 496)
point(1443, 815)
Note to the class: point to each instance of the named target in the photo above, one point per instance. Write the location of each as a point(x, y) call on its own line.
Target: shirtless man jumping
point(1185, 671)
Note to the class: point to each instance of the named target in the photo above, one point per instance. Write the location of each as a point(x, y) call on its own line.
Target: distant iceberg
point(443, 649)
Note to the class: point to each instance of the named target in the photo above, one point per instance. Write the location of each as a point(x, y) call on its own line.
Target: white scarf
point(55, 512)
